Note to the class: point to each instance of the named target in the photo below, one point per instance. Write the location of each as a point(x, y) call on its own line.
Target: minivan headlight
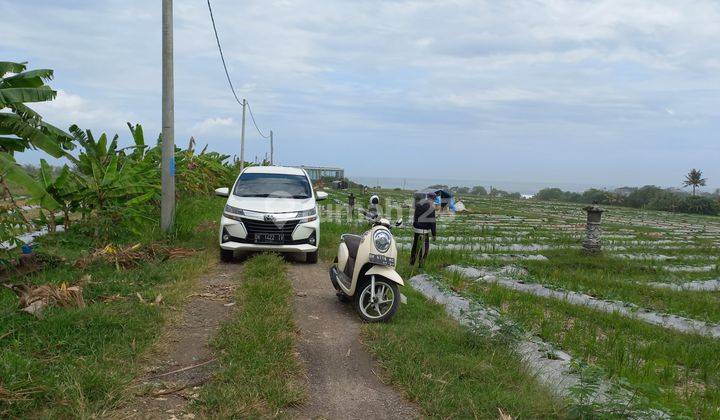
point(307, 213)
point(233, 212)
point(382, 239)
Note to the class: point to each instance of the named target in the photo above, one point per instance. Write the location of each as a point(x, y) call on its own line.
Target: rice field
point(644, 315)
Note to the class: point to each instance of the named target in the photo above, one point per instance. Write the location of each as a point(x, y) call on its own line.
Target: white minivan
point(271, 208)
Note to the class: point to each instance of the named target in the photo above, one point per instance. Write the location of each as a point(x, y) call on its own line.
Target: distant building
point(318, 172)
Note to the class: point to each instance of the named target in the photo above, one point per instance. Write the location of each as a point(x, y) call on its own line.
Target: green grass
point(673, 370)
point(258, 368)
point(678, 371)
point(438, 364)
point(452, 373)
point(77, 362)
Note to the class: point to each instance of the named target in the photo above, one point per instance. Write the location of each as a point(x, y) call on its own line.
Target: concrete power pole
point(272, 149)
point(167, 206)
point(242, 138)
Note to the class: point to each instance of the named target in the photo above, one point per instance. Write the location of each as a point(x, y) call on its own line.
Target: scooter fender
point(342, 256)
point(387, 272)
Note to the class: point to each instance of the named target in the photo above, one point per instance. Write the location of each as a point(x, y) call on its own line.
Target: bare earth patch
point(184, 360)
point(342, 377)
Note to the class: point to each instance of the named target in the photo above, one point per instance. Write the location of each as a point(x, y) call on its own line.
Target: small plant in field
point(596, 397)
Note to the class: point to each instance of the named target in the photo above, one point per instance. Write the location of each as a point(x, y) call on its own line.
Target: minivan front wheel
point(227, 255)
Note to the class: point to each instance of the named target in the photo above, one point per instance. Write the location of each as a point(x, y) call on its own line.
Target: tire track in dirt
point(342, 380)
point(184, 361)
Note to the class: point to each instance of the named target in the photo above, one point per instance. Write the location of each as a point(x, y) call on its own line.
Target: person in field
point(351, 205)
point(423, 226)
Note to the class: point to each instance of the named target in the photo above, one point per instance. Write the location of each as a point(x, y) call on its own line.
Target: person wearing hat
point(423, 225)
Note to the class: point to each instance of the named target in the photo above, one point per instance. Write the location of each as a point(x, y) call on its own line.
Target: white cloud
point(69, 108)
point(210, 124)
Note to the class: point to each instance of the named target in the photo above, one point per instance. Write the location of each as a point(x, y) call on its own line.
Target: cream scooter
point(364, 269)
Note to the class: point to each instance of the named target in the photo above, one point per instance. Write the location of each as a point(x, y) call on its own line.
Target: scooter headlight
point(382, 239)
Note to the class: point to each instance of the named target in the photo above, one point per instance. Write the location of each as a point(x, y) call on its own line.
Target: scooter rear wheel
point(387, 300)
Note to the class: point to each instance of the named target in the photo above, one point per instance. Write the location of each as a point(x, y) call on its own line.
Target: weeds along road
point(342, 379)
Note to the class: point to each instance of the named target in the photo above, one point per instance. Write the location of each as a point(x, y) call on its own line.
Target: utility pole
point(242, 138)
point(272, 149)
point(167, 205)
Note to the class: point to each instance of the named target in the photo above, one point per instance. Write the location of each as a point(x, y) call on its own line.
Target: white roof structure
point(285, 170)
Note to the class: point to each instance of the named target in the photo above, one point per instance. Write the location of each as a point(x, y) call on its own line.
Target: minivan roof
point(286, 170)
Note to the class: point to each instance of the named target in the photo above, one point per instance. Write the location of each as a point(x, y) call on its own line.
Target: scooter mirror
point(398, 223)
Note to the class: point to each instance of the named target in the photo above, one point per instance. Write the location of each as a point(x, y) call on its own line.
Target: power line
point(222, 56)
point(252, 117)
point(227, 75)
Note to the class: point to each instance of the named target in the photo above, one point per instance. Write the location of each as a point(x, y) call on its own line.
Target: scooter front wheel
point(379, 306)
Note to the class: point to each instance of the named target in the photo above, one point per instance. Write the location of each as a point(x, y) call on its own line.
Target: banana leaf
point(13, 124)
point(32, 78)
point(11, 67)
point(26, 94)
point(11, 171)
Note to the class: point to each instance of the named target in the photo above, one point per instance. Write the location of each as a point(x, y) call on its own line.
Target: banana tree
point(21, 128)
point(64, 188)
point(109, 176)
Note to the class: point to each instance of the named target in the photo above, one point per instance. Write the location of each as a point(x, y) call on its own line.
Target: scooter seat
point(353, 243)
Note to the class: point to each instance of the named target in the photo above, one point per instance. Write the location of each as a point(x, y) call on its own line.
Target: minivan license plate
point(268, 238)
point(382, 260)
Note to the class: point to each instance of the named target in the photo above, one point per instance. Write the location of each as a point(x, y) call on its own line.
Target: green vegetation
point(438, 364)
point(76, 362)
point(452, 373)
point(105, 182)
point(662, 368)
point(258, 369)
point(674, 370)
point(647, 197)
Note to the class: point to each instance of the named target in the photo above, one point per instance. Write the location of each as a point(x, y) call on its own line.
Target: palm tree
point(694, 178)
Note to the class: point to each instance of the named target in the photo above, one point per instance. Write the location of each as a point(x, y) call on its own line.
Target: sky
point(608, 92)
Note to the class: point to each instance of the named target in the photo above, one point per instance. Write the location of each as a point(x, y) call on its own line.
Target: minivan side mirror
point(222, 192)
point(320, 195)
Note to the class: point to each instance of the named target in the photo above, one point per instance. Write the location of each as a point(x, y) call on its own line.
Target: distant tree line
point(648, 197)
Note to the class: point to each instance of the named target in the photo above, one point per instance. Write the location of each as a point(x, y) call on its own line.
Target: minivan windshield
point(272, 185)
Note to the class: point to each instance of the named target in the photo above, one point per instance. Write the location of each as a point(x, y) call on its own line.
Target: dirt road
point(341, 375)
point(184, 360)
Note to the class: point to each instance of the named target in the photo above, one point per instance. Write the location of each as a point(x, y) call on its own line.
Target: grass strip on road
point(258, 367)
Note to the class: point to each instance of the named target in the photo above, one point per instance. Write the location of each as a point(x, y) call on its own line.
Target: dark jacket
point(424, 217)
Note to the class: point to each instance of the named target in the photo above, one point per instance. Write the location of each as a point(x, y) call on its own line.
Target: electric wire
point(222, 56)
point(227, 73)
point(252, 117)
